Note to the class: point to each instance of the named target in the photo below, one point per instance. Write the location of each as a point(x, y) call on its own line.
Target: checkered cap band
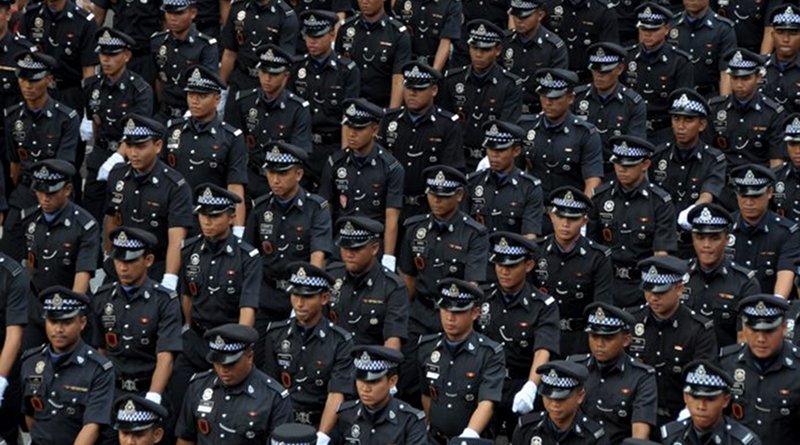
point(197, 80)
point(122, 240)
point(207, 198)
point(684, 103)
point(108, 40)
point(653, 276)
point(270, 56)
point(548, 81)
point(648, 15)
point(280, 442)
point(483, 34)
point(219, 344)
point(788, 17)
point(454, 293)
point(176, 3)
point(793, 127)
point(29, 63)
point(600, 56)
point(300, 278)
point(45, 174)
point(503, 248)
point(416, 74)
point(134, 130)
point(440, 180)
point(130, 414)
point(707, 219)
point(276, 156)
point(350, 232)
point(494, 134)
point(600, 318)
point(751, 180)
point(625, 150)
point(739, 62)
point(314, 22)
point(367, 363)
point(762, 310)
point(701, 377)
point(569, 202)
point(62, 303)
point(553, 379)
point(357, 113)
point(523, 4)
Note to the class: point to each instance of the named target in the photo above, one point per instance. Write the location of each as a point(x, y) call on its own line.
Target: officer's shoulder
point(470, 222)
point(33, 351)
point(173, 175)
point(287, 8)
point(593, 427)
point(416, 219)
point(637, 364)
point(348, 405)
point(187, 242)
point(717, 100)
point(406, 408)
point(582, 89)
point(605, 250)
point(638, 312)
point(159, 36)
point(337, 157)
point(401, 27)
point(247, 248)
point(511, 76)
point(101, 360)
point(138, 82)
point(487, 342)
point(532, 418)
point(603, 3)
point(63, 109)
point(631, 94)
point(553, 38)
point(579, 358)
point(393, 113)
point(428, 338)
point(722, 19)
point(585, 124)
point(348, 64)
point(159, 288)
point(274, 325)
point(673, 427)
point(749, 273)
point(740, 432)
point(89, 82)
point(28, 212)
point(393, 277)
point(604, 187)
point(343, 333)
point(786, 223)
point(731, 349)
point(452, 117)
point(176, 122)
point(32, 7)
point(704, 321)
point(660, 192)
point(105, 288)
point(772, 103)
point(350, 21)
point(11, 109)
point(293, 97)
point(13, 267)
point(455, 71)
point(209, 39)
point(319, 200)
point(273, 385)
point(476, 175)
point(197, 376)
point(241, 94)
point(530, 178)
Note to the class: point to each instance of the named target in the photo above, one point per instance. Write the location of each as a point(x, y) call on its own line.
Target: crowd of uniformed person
point(412, 222)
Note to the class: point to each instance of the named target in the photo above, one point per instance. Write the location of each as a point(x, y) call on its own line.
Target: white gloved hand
point(238, 231)
point(86, 130)
point(583, 230)
point(684, 414)
point(153, 397)
point(105, 169)
point(389, 262)
point(222, 100)
point(683, 218)
point(3, 386)
point(322, 438)
point(523, 400)
point(483, 165)
point(170, 281)
point(469, 433)
point(393, 390)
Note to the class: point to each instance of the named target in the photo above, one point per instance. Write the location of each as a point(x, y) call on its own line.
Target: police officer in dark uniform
point(108, 96)
point(503, 197)
point(632, 216)
point(621, 392)
point(138, 420)
point(481, 91)
point(613, 108)
point(269, 113)
point(655, 68)
point(432, 27)
point(377, 416)
point(234, 401)
point(380, 45)
point(562, 387)
point(667, 334)
point(707, 392)
point(175, 49)
point(786, 196)
point(17, 304)
point(147, 194)
point(716, 284)
point(68, 387)
point(760, 239)
point(750, 20)
point(783, 65)
point(575, 270)
point(529, 47)
point(707, 37)
point(367, 300)
point(309, 353)
point(764, 370)
point(420, 134)
point(461, 370)
point(324, 79)
point(745, 125)
point(522, 319)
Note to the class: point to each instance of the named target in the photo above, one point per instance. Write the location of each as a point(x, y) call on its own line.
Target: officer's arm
point(481, 416)
point(589, 184)
point(11, 348)
point(109, 226)
point(224, 11)
point(176, 236)
point(238, 190)
point(724, 84)
point(13, 171)
point(412, 291)
point(397, 91)
point(767, 44)
point(784, 283)
point(226, 66)
point(329, 413)
point(247, 316)
point(426, 406)
point(29, 422)
point(442, 54)
point(540, 357)
point(81, 282)
point(15, 317)
point(390, 231)
point(162, 373)
point(99, 14)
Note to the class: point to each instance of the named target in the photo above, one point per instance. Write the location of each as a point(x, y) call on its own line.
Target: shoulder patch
point(32, 351)
point(475, 224)
point(347, 405)
point(278, 324)
point(602, 188)
point(100, 359)
point(454, 71)
point(415, 219)
point(13, 267)
point(536, 181)
point(731, 349)
point(606, 251)
point(106, 287)
point(580, 358)
point(631, 94)
point(724, 20)
point(406, 408)
point(749, 273)
point(199, 375)
point(341, 331)
point(529, 419)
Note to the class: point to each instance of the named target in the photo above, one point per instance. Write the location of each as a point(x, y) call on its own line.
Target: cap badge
point(301, 273)
point(761, 308)
point(130, 408)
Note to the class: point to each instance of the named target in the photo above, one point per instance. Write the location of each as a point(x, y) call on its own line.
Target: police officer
point(786, 196)
point(367, 300)
point(461, 370)
point(269, 113)
point(572, 268)
point(503, 197)
point(16, 306)
point(324, 79)
point(147, 194)
point(234, 400)
point(310, 354)
point(68, 386)
point(606, 103)
point(176, 48)
point(632, 216)
point(380, 45)
point(746, 123)
point(565, 149)
point(139, 320)
point(481, 91)
point(707, 37)
point(529, 47)
point(432, 27)
point(562, 421)
point(377, 416)
point(107, 97)
point(765, 375)
point(655, 68)
point(139, 420)
point(621, 392)
point(750, 21)
point(716, 284)
point(783, 70)
point(707, 392)
point(203, 148)
point(523, 320)
point(667, 334)
point(760, 239)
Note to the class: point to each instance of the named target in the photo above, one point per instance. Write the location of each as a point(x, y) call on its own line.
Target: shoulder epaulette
point(318, 199)
point(394, 277)
point(772, 103)
point(189, 241)
point(579, 358)
point(474, 224)
point(638, 364)
point(26, 213)
point(211, 40)
point(287, 9)
point(585, 124)
point(278, 324)
point(172, 294)
point(594, 427)
point(277, 387)
point(741, 433)
point(106, 287)
point(487, 342)
point(304, 103)
point(605, 250)
point(406, 408)
point(158, 34)
point(743, 270)
point(429, 338)
point(707, 323)
point(100, 359)
point(722, 19)
point(241, 94)
point(554, 38)
point(13, 267)
point(139, 83)
point(536, 181)
point(8, 110)
point(349, 20)
point(34, 350)
point(341, 331)
point(199, 375)
point(347, 405)
point(231, 129)
point(631, 94)
point(173, 175)
point(602, 188)
point(415, 219)
point(66, 110)
point(672, 428)
point(681, 52)
point(454, 71)
point(582, 89)
point(731, 349)
point(477, 174)
point(529, 419)
point(397, 24)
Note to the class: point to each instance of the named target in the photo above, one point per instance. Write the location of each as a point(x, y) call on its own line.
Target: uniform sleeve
point(180, 207)
point(267, 363)
point(183, 283)
point(17, 296)
point(288, 34)
point(403, 52)
point(727, 44)
point(547, 328)
point(645, 402)
point(322, 231)
point(790, 252)
point(406, 258)
point(445, 100)
point(603, 272)
point(395, 323)
point(68, 147)
point(609, 26)
point(706, 343)
point(637, 125)
point(143, 103)
point(492, 376)
point(416, 432)
point(101, 397)
point(11, 152)
point(237, 160)
point(169, 326)
point(666, 236)
point(88, 55)
point(352, 82)
point(715, 175)
point(394, 185)
point(302, 129)
point(451, 29)
point(210, 56)
point(592, 156)
point(533, 211)
point(281, 412)
point(343, 374)
point(777, 148)
point(228, 35)
point(453, 150)
point(251, 280)
point(560, 57)
point(477, 253)
point(325, 189)
point(512, 105)
point(593, 226)
point(233, 115)
point(684, 73)
point(250, 230)
point(88, 248)
point(186, 427)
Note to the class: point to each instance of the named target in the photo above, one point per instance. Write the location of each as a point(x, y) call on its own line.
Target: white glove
point(153, 397)
point(583, 230)
point(684, 414)
point(322, 438)
point(471, 434)
point(222, 100)
point(238, 231)
point(86, 130)
point(3, 386)
point(393, 390)
point(389, 262)
point(683, 218)
point(483, 165)
point(523, 400)
point(105, 169)
point(170, 281)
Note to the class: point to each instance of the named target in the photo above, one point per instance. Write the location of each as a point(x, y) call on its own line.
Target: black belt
point(134, 384)
point(200, 328)
point(440, 437)
point(326, 138)
point(414, 200)
point(474, 152)
point(308, 417)
point(664, 412)
point(280, 285)
point(572, 324)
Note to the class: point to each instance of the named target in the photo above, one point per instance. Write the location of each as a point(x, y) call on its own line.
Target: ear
point(434, 90)
point(158, 434)
point(393, 380)
point(529, 265)
point(460, 195)
point(325, 297)
point(626, 339)
point(149, 259)
point(158, 144)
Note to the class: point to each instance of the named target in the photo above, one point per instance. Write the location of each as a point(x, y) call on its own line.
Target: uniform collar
point(144, 291)
point(580, 248)
point(200, 127)
point(368, 159)
point(773, 61)
point(470, 344)
point(322, 330)
point(616, 94)
point(694, 152)
point(150, 177)
point(247, 386)
point(449, 225)
point(491, 74)
point(428, 115)
point(367, 278)
point(575, 428)
point(785, 358)
point(619, 364)
point(537, 38)
point(279, 101)
point(700, 22)
point(372, 26)
point(761, 226)
point(78, 356)
point(717, 435)
point(558, 128)
point(642, 189)
point(64, 217)
point(523, 300)
point(386, 414)
point(721, 269)
point(754, 103)
point(673, 321)
point(228, 246)
point(47, 111)
point(298, 201)
point(191, 36)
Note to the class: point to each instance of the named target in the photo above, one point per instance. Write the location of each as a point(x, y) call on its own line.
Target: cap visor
point(351, 243)
point(506, 260)
point(481, 43)
point(656, 288)
point(571, 213)
point(556, 393)
point(521, 13)
point(625, 161)
point(451, 306)
point(603, 330)
point(47, 187)
point(552, 94)
point(790, 138)
point(763, 324)
point(128, 426)
point(441, 192)
point(369, 376)
point(125, 254)
point(58, 315)
point(109, 49)
point(417, 86)
point(304, 291)
point(278, 167)
point(751, 191)
point(603, 67)
point(708, 229)
point(356, 124)
point(686, 113)
point(211, 210)
point(645, 25)
point(221, 358)
point(703, 391)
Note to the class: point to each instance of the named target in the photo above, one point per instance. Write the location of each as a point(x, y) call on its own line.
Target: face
point(308, 309)
point(113, 65)
point(375, 393)
point(235, 373)
point(706, 411)
point(664, 304)
point(359, 259)
point(503, 160)
point(179, 21)
point(370, 8)
point(143, 156)
point(652, 38)
point(418, 100)
point(604, 81)
point(458, 325)
point(286, 183)
point(787, 42)
point(528, 24)
point(203, 106)
point(752, 208)
point(566, 230)
point(606, 348)
point(483, 58)
point(53, 202)
point(561, 411)
point(216, 226)
point(133, 273)
point(555, 109)
point(512, 277)
point(687, 129)
point(764, 344)
point(149, 436)
point(695, 7)
point(34, 90)
point(443, 207)
point(272, 83)
point(360, 139)
point(709, 247)
point(64, 334)
point(320, 46)
point(630, 175)
point(745, 86)
point(793, 149)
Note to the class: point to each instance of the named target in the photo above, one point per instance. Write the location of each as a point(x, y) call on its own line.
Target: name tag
point(205, 407)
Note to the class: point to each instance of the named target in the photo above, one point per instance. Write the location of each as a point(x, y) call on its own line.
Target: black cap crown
point(51, 175)
point(661, 273)
point(228, 343)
